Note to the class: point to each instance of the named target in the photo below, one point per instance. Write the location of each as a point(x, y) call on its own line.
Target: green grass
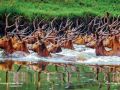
point(60, 8)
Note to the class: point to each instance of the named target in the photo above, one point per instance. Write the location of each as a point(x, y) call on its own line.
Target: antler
point(6, 21)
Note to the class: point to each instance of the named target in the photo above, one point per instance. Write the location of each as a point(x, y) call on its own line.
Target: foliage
point(59, 8)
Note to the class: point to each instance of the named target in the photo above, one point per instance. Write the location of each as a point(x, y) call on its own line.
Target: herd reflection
point(66, 69)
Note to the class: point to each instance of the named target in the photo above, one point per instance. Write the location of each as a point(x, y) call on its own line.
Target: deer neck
point(116, 45)
point(42, 51)
point(70, 44)
point(9, 47)
point(24, 47)
point(100, 50)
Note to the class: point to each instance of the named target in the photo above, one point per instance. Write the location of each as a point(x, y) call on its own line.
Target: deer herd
point(44, 38)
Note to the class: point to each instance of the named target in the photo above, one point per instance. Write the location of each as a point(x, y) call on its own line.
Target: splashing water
point(81, 55)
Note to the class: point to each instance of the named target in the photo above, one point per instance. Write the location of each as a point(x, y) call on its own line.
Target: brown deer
point(80, 40)
point(67, 44)
point(55, 48)
point(41, 49)
point(6, 44)
point(21, 46)
point(100, 49)
point(112, 40)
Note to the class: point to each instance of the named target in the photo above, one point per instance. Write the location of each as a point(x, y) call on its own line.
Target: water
point(84, 78)
point(81, 55)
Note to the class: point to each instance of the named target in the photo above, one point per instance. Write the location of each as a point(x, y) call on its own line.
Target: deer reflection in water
point(8, 66)
point(111, 73)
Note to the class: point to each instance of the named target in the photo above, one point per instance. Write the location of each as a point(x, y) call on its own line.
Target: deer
point(100, 49)
point(67, 44)
point(21, 46)
point(55, 47)
point(105, 25)
point(12, 44)
point(45, 41)
point(41, 49)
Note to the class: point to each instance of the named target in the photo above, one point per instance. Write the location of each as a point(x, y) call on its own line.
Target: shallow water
point(81, 57)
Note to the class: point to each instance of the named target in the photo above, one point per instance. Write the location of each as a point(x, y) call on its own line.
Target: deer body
point(41, 49)
point(6, 44)
point(67, 44)
point(55, 48)
point(80, 40)
point(9, 47)
point(100, 49)
point(21, 46)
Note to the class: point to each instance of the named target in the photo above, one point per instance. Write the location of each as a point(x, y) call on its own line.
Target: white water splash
point(81, 55)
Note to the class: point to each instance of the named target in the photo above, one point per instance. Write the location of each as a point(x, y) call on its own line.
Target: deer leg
point(38, 82)
point(34, 77)
point(108, 81)
point(56, 68)
point(19, 68)
point(30, 75)
point(16, 76)
point(119, 78)
point(6, 76)
point(68, 80)
point(97, 73)
point(68, 77)
point(113, 77)
point(78, 74)
point(39, 73)
point(48, 77)
point(63, 77)
point(76, 69)
point(7, 86)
